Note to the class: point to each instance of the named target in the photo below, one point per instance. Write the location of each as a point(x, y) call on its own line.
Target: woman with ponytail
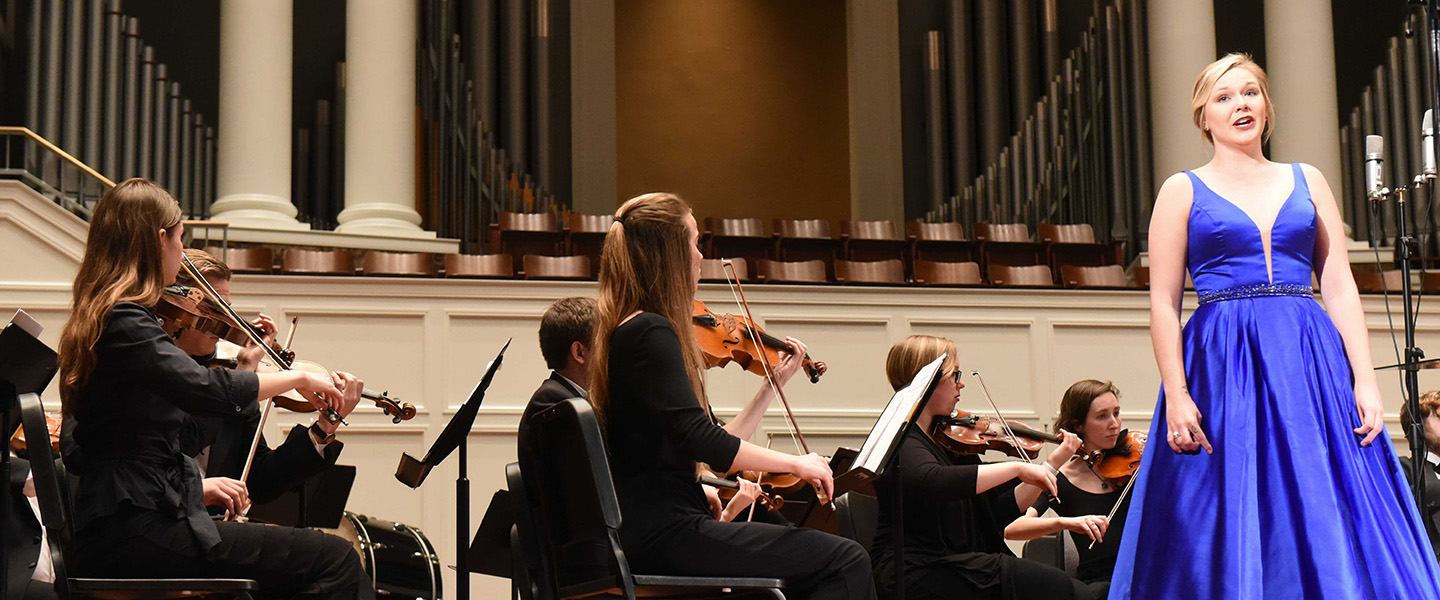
point(129, 390)
point(648, 388)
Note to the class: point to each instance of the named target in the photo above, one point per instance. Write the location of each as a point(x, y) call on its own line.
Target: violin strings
point(1003, 423)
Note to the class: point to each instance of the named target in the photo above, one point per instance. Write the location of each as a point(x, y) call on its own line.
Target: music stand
point(412, 471)
point(880, 456)
point(319, 501)
point(26, 367)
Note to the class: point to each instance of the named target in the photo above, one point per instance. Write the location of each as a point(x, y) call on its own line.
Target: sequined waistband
point(1256, 291)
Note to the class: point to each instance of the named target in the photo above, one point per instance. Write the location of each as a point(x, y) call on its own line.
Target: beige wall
point(738, 105)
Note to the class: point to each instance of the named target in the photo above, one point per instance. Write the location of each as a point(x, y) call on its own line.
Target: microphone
point(1374, 161)
point(1428, 145)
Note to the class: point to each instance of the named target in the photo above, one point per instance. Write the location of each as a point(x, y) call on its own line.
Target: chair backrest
point(805, 271)
point(802, 228)
point(405, 264)
point(576, 502)
point(858, 517)
point(257, 259)
point(556, 267)
point(1066, 234)
point(524, 543)
point(1031, 276)
point(1056, 550)
point(512, 221)
point(750, 227)
point(1108, 276)
point(880, 271)
point(1430, 283)
point(1368, 281)
point(592, 224)
point(48, 477)
point(1002, 232)
point(869, 230)
point(318, 262)
point(928, 272)
point(479, 265)
point(712, 269)
point(935, 232)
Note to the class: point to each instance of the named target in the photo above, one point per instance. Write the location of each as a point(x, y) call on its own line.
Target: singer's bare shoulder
point(1320, 191)
point(1176, 192)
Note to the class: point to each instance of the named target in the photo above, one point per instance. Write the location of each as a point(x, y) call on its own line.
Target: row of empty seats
point(798, 240)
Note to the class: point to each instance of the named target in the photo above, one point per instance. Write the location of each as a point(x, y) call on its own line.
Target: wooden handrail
point(56, 149)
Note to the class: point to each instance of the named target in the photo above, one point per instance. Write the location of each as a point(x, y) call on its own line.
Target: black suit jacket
point(275, 470)
point(22, 538)
point(552, 391)
point(1431, 515)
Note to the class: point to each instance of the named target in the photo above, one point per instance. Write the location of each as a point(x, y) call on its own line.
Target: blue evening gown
point(1289, 505)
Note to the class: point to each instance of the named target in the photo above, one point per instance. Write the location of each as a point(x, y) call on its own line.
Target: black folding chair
point(55, 513)
point(577, 505)
point(859, 517)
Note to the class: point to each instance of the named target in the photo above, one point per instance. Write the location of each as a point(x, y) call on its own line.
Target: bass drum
point(399, 558)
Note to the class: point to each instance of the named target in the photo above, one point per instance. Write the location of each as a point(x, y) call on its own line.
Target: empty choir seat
point(929, 272)
point(300, 261)
point(880, 271)
point(713, 269)
point(808, 271)
point(256, 259)
point(402, 264)
point(487, 266)
point(1023, 276)
point(556, 267)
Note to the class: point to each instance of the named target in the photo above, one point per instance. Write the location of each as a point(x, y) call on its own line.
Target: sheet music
point(897, 413)
point(28, 323)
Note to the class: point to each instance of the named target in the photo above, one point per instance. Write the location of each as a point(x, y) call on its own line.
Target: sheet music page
point(24, 321)
point(897, 413)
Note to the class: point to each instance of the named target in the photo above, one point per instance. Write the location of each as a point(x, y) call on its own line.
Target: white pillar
point(1300, 52)
point(253, 168)
point(380, 37)
point(1182, 42)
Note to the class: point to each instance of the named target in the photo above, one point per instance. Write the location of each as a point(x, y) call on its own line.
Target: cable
point(1385, 291)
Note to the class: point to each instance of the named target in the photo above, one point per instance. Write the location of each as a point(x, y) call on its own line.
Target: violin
point(969, 433)
point(293, 401)
point(183, 307)
point(52, 424)
point(767, 498)
point(731, 338)
point(1123, 460)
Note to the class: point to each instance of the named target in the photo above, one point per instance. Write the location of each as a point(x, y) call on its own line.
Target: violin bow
point(265, 414)
point(1118, 502)
point(1003, 423)
point(739, 294)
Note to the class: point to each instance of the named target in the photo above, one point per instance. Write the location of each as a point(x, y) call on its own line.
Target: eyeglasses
point(956, 376)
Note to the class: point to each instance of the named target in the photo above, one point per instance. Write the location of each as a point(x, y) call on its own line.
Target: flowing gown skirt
point(1289, 505)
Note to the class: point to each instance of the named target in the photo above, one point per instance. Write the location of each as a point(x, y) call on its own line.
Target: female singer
point(1298, 493)
point(956, 507)
point(1092, 409)
point(129, 388)
point(647, 386)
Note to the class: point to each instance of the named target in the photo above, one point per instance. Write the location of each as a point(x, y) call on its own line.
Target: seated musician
point(1430, 416)
point(647, 387)
point(130, 390)
point(224, 443)
point(1092, 409)
point(956, 507)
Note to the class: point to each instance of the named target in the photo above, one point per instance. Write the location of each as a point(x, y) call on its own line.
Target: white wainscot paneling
point(471, 340)
point(1002, 350)
point(1117, 351)
point(385, 347)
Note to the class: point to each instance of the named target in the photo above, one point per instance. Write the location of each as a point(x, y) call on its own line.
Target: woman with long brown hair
point(647, 386)
point(1083, 499)
point(130, 390)
point(955, 507)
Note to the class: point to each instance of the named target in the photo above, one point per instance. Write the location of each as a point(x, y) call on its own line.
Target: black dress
point(954, 538)
point(138, 506)
point(657, 431)
point(1096, 563)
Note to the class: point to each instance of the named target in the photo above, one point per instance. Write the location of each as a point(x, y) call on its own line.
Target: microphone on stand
point(1374, 163)
point(1428, 145)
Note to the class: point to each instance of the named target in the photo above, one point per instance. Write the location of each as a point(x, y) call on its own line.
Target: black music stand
point(26, 367)
point(880, 456)
point(412, 471)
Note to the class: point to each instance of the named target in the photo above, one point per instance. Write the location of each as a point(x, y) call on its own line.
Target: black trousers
point(286, 562)
point(815, 565)
point(1020, 580)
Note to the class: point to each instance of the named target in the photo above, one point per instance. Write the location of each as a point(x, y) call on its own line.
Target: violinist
point(956, 507)
point(1092, 409)
point(138, 504)
point(647, 387)
point(224, 443)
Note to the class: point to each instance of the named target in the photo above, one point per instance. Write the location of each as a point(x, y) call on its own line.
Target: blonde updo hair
point(1206, 82)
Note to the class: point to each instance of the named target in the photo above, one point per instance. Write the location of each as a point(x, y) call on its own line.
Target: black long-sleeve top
point(129, 416)
point(945, 521)
point(657, 429)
